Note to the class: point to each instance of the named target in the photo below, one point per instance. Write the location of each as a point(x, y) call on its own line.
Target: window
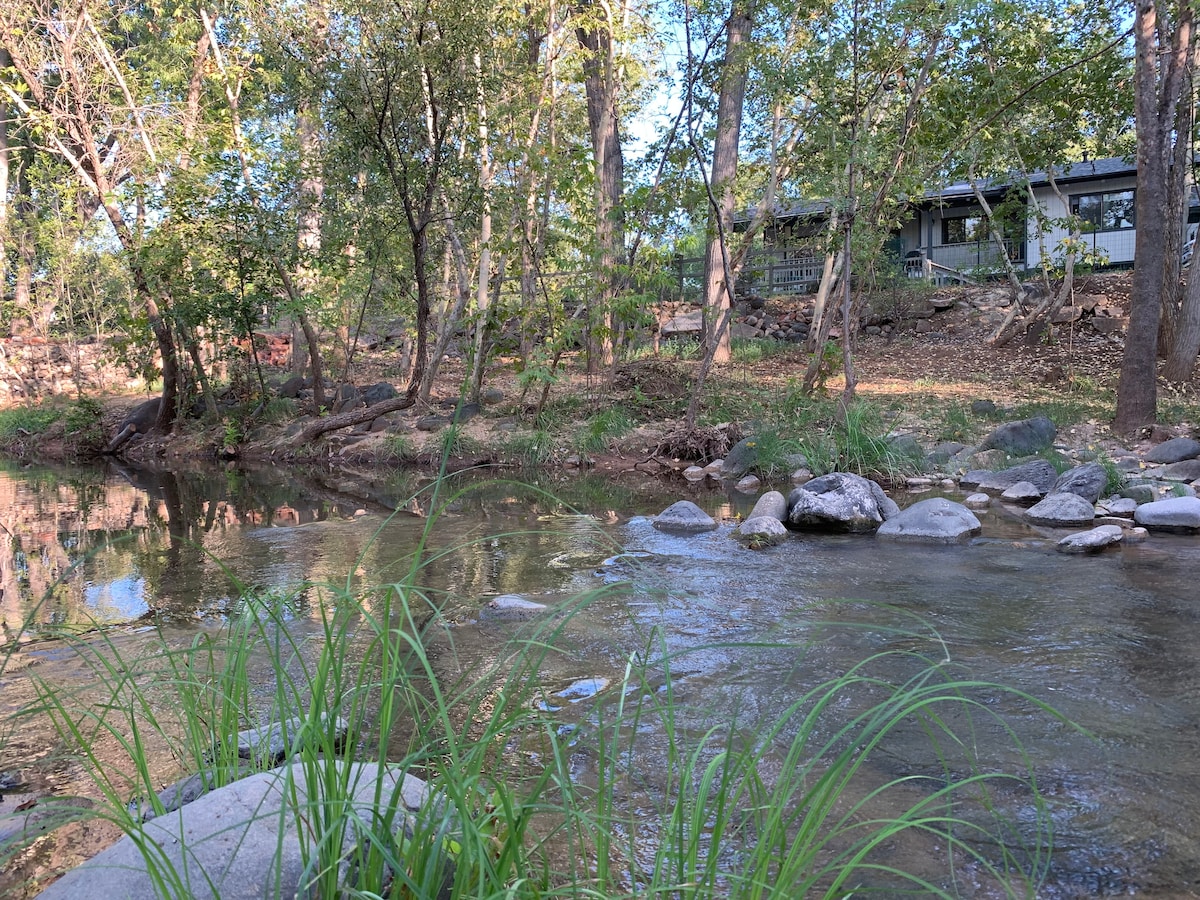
point(1109, 211)
point(964, 230)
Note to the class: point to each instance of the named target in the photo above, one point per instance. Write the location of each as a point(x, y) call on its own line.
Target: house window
point(1109, 211)
point(964, 230)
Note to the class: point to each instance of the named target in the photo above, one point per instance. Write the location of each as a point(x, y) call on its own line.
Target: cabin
point(946, 237)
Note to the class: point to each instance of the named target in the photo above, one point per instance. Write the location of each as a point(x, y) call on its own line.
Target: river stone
point(773, 504)
point(1062, 511)
point(761, 530)
point(840, 501)
point(740, 459)
point(1087, 481)
point(1184, 470)
point(694, 473)
point(1037, 472)
point(1091, 541)
point(684, 517)
point(511, 606)
point(1025, 493)
point(1120, 506)
point(748, 484)
point(1172, 514)
point(432, 423)
point(271, 744)
point(978, 501)
point(240, 841)
point(1173, 451)
point(1022, 438)
point(943, 453)
point(802, 476)
point(1139, 493)
point(935, 521)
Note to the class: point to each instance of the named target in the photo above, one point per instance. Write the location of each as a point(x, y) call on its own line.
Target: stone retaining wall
point(33, 369)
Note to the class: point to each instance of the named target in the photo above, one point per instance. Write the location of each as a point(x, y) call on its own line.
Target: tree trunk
point(1158, 82)
point(1179, 186)
point(718, 295)
point(1182, 357)
point(310, 194)
point(601, 83)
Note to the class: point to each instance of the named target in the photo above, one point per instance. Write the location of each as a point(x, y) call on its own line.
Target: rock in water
point(773, 504)
point(1172, 514)
point(840, 501)
point(934, 521)
point(1091, 541)
point(760, 531)
point(684, 517)
point(741, 458)
point(1062, 511)
point(1037, 472)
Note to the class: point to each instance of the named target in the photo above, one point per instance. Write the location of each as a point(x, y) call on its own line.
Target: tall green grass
point(796, 804)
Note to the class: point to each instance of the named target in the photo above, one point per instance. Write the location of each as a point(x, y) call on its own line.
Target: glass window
point(964, 230)
point(1109, 211)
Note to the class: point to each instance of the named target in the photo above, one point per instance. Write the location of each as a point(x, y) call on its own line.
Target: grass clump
point(601, 429)
point(528, 449)
point(20, 422)
point(858, 442)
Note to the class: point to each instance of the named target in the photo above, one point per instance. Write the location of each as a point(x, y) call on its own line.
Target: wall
point(33, 369)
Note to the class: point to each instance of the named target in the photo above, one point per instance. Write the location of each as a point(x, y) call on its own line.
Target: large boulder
point(840, 501)
point(760, 531)
point(934, 521)
point(1184, 470)
point(684, 517)
point(1062, 511)
point(1172, 514)
point(1022, 438)
point(1173, 451)
point(378, 392)
point(1087, 481)
point(1037, 472)
point(240, 841)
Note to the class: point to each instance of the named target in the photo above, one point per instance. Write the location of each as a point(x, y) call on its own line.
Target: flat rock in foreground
point(1062, 511)
point(241, 841)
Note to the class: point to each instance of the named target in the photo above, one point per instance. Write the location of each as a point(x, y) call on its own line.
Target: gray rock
point(761, 531)
point(1173, 451)
point(1172, 514)
point(1184, 470)
point(271, 744)
point(935, 521)
point(1024, 493)
point(694, 473)
point(943, 453)
point(1022, 438)
point(511, 606)
point(1087, 481)
point(740, 459)
point(978, 501)
point(773, 504)
point(684, 517)
point(1141, 492)
point(1120, 506)
point(379, 392)
point(907, 446)
point(1091, 541)
point(1037, 472)
point(684, 323)
point(464, 412)
point(983, 408)
point(242, 841)
point(291, 388)
point(748, 484)
point(1062, 511)
point(432, 423)
point(840, 501)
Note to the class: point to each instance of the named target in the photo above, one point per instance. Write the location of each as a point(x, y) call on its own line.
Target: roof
point(1070, 173)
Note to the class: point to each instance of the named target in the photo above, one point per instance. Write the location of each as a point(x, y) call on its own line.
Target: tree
point(1163, 39)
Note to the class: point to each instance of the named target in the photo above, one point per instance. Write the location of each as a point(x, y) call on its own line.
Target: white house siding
point(1117, 244)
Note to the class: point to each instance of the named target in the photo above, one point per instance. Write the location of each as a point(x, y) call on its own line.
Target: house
point(947, 237)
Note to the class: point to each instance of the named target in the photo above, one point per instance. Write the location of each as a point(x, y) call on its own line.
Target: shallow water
point(1110, 641)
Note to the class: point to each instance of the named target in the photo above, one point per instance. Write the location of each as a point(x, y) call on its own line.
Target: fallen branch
point(354, 417)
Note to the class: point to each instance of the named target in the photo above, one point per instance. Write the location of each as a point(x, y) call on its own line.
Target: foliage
point(858, 442)
point(955, 425)
point(528, 449)
point(598, 431)
point(20, 422)
point(84, 429)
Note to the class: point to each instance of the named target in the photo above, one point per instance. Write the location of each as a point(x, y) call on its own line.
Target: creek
point(1110, 641)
